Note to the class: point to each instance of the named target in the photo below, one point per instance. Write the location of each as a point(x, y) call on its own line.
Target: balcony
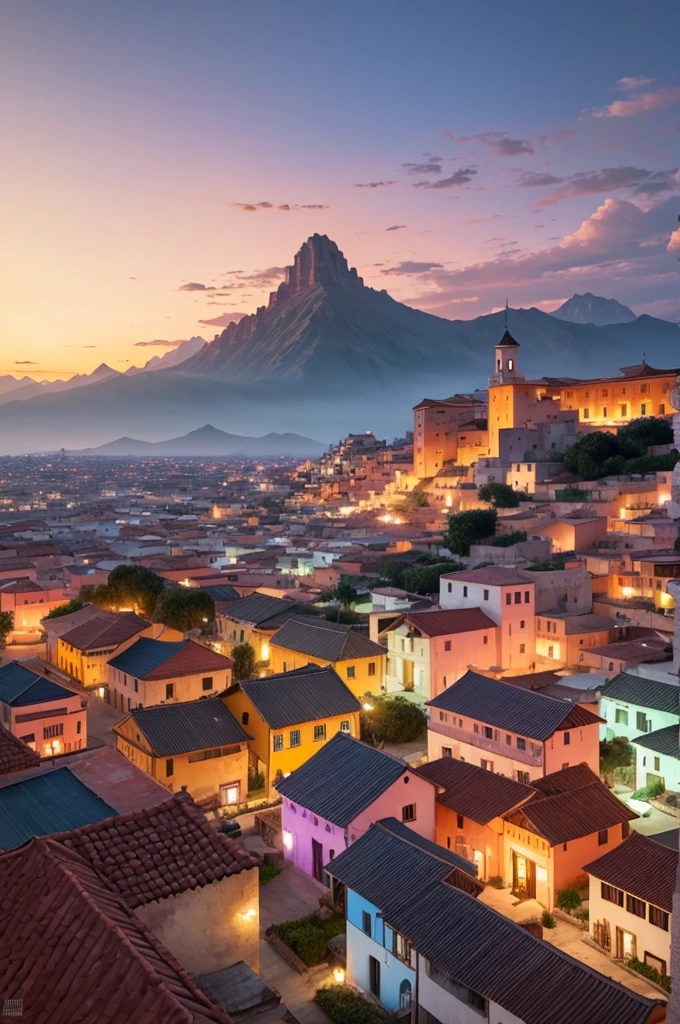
point(501, 749)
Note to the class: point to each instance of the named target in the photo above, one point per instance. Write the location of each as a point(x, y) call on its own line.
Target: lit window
point(295, 737)
point(278, 741)
point(319, 732)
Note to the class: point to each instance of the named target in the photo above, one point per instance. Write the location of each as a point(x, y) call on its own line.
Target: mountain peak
point(593, 309)
point(318, 261)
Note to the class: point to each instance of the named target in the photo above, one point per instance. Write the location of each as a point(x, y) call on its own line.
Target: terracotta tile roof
point(472, 791)
point(104, 632)
point(572, 814)
point(73, 950)
point(494, 575)
point(15, 756)
point(163, 659)
point(642, 867)
point(151, 854)
point(444, 623)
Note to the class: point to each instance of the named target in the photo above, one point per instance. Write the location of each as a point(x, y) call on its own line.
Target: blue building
point(379, 958)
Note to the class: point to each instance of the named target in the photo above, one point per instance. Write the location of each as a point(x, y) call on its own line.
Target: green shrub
point(308, 937)
point(344, 1006)
point(393, 719)
point(582, 915)
point(650, 972)
point(655, 788)
point(506, 540)
point(267, 872)
point(568, 900)
point(255, 783)
point(571, 494)
point(555, 565)
point(471, 527)
point(496, 882)
point(498, 495)
point(65, 609)
point(547, 919)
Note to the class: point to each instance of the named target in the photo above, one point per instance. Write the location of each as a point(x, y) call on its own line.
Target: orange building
point(610, 402)
point(440, 428)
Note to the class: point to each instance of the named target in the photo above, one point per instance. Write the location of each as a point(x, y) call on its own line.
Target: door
point(374, 976)
point(229, 793)
point(625, 944)
point(317, 860)
point(523, 876)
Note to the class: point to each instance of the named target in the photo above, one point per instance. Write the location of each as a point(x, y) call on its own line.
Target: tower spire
point(506, 314)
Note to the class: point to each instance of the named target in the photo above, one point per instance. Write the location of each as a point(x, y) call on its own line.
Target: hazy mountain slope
point(593, 309)
point(210, 441)
point(171, 358)
point(34, 388)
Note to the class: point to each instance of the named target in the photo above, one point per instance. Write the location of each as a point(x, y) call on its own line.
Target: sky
point(164, 160)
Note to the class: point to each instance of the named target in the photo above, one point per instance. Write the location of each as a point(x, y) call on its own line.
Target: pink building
point(332, 799)
point(49, 718)
point(28, 602)
point(508, 598)
point(511, 731)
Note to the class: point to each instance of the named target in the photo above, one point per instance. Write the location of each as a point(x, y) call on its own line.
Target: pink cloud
point(656, 100)
point(674, 242)
point(224, 319)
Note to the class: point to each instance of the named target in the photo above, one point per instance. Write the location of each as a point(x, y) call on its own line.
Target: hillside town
point(352, 738)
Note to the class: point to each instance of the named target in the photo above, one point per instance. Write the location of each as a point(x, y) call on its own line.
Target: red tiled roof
point(72, 949)
point(472, 791)
point(642, 867)
point(191, 659)
point(15, 756)
point(104, 632)
point(572, 814)
point(444, 623)
point(150, 854)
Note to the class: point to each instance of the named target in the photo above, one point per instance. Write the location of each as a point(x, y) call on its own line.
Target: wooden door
point(317, 860)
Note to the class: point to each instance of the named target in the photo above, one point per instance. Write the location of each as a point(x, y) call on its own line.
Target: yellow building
point(254, 620)
point(197, 744)
point(82, 643)
point(153, 672)
point(289, 716)
point(614, 401)
point(303, 640)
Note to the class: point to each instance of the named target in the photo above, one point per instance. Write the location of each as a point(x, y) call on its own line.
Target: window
point(657, 764)
point(586, 414)
point(522, 623)
point(79, 726)
point(567, 738)
point(244, 718)
point(447, 752)
point(408, 812)
point(524, 778)
point(169, 691)
point(207, 682)
point(643, 409)
point(486, 639)
point(624, 410)
point(621, 716)
point(602, 836)
point(551, 651)
point(475, 727)
point(522, 648)
point(136, 686)
point(366, 922)
point(521, 743)
point(450, 587)
point(508, 598)
point(636, 906)
point(486, 765)
point(464, 590)
point(295, 737)
point(477, 1001)
point(447, 645)
point(345, 726)
point(641, 721)
point(527, 596)
point(460, 821)
point(604, 410)
point(658, 917)
point(662, 409)
point(169, 767)
point(278, 741)
point(488, 732)
point(611, 894)
point(53, 730)
point(319, 733)
point(401, 947)
point(486, 595)
point(371, 668)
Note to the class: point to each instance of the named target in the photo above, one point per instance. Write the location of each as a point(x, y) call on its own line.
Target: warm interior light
point(249, 915)
point(368, 707)
point(339, 975)
point(627, 591)
point(287, 840)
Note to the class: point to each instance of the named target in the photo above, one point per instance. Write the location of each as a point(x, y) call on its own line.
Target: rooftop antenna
point(506, 314)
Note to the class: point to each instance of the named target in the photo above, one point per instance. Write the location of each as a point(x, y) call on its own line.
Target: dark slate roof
point(329, 641)
point(19, 687)
point(481, 950)
point(642, 867)
point(508, 340)
point(45, 804)
point(414, 864)
point(472, 791)
point(343, 778)
point(222, 592)
point(161, 659)
point(303, 695)
point(510, 707)
point(663, 741)
point(261, 610)
point(646, 693)
point(573, 814)
point(565, 780)
point(188, 726)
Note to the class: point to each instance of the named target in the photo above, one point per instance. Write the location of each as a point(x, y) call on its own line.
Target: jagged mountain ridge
point(593, 309)
point(208, 440)
point(32, 388)
point(185, 350)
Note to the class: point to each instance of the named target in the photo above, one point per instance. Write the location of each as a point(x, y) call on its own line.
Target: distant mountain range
point(26, 387)
point(208, 440)
point(173, 357)
point(593, 309)
point(326, 355)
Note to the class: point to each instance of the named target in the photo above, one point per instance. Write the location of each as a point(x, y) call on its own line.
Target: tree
point(128, 586)
point(344, 592)
point(615, 754)
point(392, 719)
point(244, 661)
point(600, 454)
point(466, 528)
point(6, 626)
point(594, 456)
point(424, 579)
point(499, 495)
point(184, 608)
point(65, 609)
point(643, 433)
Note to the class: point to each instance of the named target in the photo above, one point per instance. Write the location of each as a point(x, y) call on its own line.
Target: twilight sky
point(163, 159)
